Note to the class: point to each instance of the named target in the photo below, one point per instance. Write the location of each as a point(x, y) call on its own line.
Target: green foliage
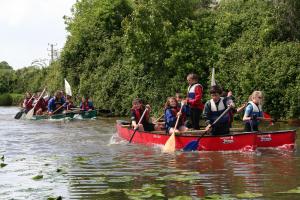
point(17, 99)
point(118, 50)
point(5, 100)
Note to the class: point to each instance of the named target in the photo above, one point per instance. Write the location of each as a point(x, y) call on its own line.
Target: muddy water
point(85, 160)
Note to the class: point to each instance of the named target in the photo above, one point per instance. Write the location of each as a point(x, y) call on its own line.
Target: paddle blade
point(191, 146)
point(170, 144)
point(19, 115)
point(30, 114)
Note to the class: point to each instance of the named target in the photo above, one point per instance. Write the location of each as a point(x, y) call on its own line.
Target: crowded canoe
point(180, 128)
point(59, 106)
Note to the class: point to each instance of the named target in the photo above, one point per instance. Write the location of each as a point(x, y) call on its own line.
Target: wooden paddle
point(31, 112)
point(138, 124)
point(171, 142)
point(193, 145)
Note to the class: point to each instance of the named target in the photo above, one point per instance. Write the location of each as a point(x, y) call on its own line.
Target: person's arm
point(248, 111)
point(170, 119)
point(206, 113)
point(198, 97)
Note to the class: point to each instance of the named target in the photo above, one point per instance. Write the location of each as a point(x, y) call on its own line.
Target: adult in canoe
point(214, 108)
point(194, 99)
point(55, 104)
point(135, 115)
point(172, 112)
point(253, 112)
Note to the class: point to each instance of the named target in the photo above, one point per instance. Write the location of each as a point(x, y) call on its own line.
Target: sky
point(27, 27)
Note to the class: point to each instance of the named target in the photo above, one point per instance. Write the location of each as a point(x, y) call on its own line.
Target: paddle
point(31, 112)
point(171, 142)
point(193, 145)
point(138, 124)
point(19, 114)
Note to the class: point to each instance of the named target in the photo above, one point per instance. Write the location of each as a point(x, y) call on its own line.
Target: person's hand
point(50, 113)
point(231, 105)
point(229, 94)
point(184, 102)
point(148, 107)
point(179, 114)
point(208, 128)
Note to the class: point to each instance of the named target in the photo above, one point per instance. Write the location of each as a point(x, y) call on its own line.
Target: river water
point(83, 159)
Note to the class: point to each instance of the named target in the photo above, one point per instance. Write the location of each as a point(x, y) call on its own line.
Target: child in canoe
point(172, 113)
point(136, 113)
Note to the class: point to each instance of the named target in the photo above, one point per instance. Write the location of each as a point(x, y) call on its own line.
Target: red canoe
point(277, 139)
point(237, 141)
point(232, 142)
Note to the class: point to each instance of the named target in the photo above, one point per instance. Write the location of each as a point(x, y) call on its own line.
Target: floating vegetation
point(38, 177)
point(179, 178)
point(219, 197)
point(2, 165)
point(110, 190)
point(146, 192)
point(2, 158)
point(292, 191)
point(80, 159)
point(249, 195)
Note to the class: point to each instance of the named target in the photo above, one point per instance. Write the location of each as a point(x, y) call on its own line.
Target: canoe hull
point(236, 142)
point(71, 115)
point(285, 139)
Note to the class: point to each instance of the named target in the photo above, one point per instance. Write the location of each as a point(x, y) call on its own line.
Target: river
point(83, 159)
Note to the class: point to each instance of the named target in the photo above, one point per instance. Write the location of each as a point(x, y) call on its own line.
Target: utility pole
point(53, 52)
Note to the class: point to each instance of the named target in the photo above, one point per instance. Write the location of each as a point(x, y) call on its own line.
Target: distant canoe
point(70, 115)
point(236, 141)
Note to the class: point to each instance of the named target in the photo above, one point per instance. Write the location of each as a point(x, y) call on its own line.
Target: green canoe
point(71, 115)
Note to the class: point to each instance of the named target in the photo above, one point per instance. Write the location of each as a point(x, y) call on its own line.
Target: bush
point(6, 100)
point(17, 99)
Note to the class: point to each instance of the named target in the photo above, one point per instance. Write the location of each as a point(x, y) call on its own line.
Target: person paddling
point(214, 108)
point(28, 101)
point(172, 112)
point(253, 112)
point(55, 104)
point(136, 112)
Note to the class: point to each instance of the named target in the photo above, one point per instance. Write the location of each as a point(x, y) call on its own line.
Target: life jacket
point(28, 103)
point(170, 121)
point(256, 110)
point(216, 111)
point(192, 95)
point(86, 105)
point(138, 114)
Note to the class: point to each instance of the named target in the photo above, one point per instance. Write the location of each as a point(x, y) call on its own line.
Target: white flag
point(213, 81)
point(68, 88)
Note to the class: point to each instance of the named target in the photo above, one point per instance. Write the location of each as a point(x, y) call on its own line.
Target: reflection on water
point(82, 160)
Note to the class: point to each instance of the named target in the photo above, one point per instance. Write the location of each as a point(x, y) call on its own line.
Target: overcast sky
point(27, 26)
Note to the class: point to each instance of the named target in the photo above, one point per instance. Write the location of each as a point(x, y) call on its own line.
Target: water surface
point(83, 159)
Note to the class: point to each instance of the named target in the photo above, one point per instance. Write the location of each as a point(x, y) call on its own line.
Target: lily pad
point(249, 195)
point(2, 158)
point(292, 191)
point(2, 165)
point(38, 177)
